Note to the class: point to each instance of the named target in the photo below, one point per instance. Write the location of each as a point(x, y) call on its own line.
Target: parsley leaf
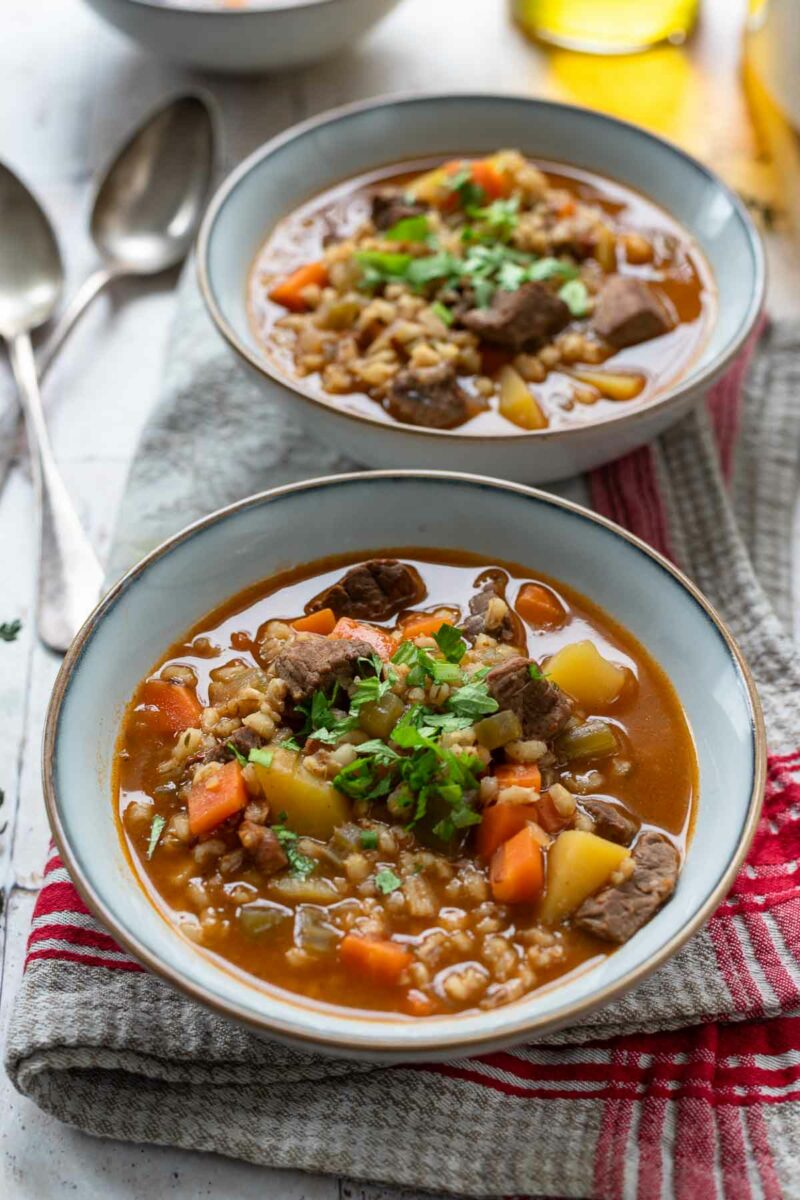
point(9, 630)
point(575, 296)
point(445, 314)
point(299, 864)
point(368, 839)
point(549, 268)
point(381, 267)
point(451, 643)
point(409, 229)
point(470, 193)
point(499, 218)
point(405, 653)
point(156, 829)
point(363, 780)
point(386, 881)
point(237, 754)
point(377, 748)
point(262, 757)
point(472, 700)
point(534, 670)
point(442, 265)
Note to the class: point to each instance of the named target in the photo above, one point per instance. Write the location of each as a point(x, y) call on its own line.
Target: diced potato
point(578, 865)
point(431, 187)
point(313, 806)
point(581, 671)
point(613, 385)
point(518, 403)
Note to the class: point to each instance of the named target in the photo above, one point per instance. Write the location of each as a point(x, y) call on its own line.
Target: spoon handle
point(77, 306)
point(70, 576)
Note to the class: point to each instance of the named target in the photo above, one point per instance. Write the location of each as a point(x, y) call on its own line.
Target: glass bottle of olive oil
point(606, 26)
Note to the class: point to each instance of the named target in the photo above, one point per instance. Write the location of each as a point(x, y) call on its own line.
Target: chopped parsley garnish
point(409, 229)
point(237, 754)
point(405, 653)
point(9, 630)
point(575, 296)
point(261, 757)
point(535, 671)
point(498, 219)
point(472, 700)
point(445, 314)
point(369, 839)
point(451, 643)
point(156, 829)
point(299, 864)
point(470, 193)
point(386, 881)
point(290, 743)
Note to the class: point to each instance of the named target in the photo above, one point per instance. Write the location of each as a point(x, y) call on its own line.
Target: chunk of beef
point(542, 708)
point(244, 740)
point(611, 821)
point(519, 319)
point(390, 207)
point(429, 396)
point(490, 614)
point(617, 913)
point(312, 663)
point(262, 847)
point(372, 591)
point(628, 311)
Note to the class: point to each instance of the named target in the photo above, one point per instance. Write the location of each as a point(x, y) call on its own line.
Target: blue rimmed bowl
point(324, 151)
point(198, 569)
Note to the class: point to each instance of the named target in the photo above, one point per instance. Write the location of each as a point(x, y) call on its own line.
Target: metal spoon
point(148, 206)
point(31, 278)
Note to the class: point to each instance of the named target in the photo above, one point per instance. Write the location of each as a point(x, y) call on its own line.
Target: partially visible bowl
point(319, 153)
point(258, 35)
point(205, 564)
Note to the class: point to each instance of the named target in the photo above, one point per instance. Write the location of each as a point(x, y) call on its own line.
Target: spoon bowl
point(31, 272)
point(149, 204)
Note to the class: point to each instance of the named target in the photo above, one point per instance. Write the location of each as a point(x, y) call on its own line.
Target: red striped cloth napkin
point(688, 1087)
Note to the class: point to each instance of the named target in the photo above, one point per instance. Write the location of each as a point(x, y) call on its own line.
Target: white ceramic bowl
point(263, 35)
point(205, 564)
point(313, 156)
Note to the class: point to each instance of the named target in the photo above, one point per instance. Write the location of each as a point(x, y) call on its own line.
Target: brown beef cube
point(479, 621)
point(616, 913)
point(262, 847)
point(390, 207)
point(525, 317)
point(372, 591)
point(628, 311)
point(542, 708)
point(428, 396)
point(611, 821)
point(312, 663)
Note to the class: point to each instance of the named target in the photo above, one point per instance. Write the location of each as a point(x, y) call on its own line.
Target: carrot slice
point(323, 621)
point(288, 291)
point(218, 797)
point(380, 962)
point(353, 631)
point(422, 625)
point(516, 874)
point(525, 775)
point(494, 183)
point(171, 707)
point(538, 606)
point(501, 822)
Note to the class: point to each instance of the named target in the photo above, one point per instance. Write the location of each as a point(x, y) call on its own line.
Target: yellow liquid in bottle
point(606, 26)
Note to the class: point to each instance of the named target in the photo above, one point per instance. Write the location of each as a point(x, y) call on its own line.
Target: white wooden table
point(70, 89)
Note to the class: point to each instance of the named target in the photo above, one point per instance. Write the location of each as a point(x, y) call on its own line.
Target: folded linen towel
point(687, 1086)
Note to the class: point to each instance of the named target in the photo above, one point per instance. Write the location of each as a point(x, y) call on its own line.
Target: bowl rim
point(387, 1044)
point(253, 7)
point(673, 397)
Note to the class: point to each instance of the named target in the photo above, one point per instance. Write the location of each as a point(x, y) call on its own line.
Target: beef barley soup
point(417, 783)
point(490, 296)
